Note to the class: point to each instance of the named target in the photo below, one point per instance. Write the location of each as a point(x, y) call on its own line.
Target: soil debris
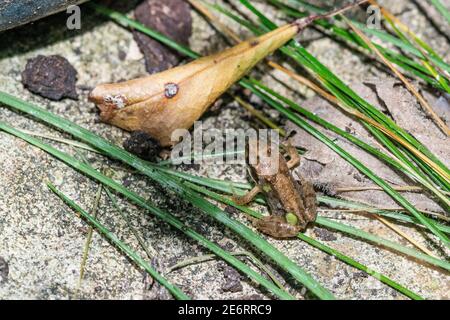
point(232, 279)
point(52, 77)
point(324, 234)
point(143, 145)
point(173, 19)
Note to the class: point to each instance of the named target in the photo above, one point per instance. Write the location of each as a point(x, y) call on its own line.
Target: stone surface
point(42, 241)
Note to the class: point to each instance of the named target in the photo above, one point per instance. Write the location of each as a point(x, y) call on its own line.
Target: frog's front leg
point(294, 160)
point(277, 227)
point(247, 198)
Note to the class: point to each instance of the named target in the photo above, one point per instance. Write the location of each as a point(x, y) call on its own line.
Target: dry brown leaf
point(154, 104)
point(174, 99)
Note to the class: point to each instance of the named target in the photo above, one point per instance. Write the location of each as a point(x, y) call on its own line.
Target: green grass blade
point(388, 244)
point(335, 85)
point(177, 293)
point(148, 250)
point(357, 164)
point(341, 228)
point(228, 187)
point(317, 244)
point(341, 203)
point(382, 35)
point(164, 216)
point(442, 9)
point(321, 69)
point(380, 136)
point(310, 60)
point(130, 23)
point(88, 240)
point(384, 279)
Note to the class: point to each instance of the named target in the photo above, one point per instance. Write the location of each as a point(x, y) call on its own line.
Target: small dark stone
point(4, 270)
point(52, 77)
point(122, 55)
point(127, 182)
point(231, 210)
point(143, 145)
point(360, 274)
point(232, 279)
point(324, 234)
point(173, 19)
point(191, 166)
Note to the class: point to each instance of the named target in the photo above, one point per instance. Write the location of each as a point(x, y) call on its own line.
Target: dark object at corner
point(143, 145)
point(16, 13)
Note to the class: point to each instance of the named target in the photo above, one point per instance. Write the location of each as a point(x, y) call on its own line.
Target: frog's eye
point(291, 219)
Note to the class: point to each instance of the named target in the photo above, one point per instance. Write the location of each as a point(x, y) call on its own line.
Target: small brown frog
point(292, 203)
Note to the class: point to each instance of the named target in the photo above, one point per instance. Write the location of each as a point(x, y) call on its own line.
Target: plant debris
point(51, 77)
point(325, 168)
point(173, 19)
point(324, 234)
point(232, 279)
point(143, 145)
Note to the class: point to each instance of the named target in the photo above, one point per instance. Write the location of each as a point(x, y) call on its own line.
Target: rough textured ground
point(41, 241)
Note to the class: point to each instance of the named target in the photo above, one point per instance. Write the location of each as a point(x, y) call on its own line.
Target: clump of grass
point(162, 215)
point(177, 293)
point(432, 173)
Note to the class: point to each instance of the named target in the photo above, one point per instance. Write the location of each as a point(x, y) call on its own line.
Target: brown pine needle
point(213, 19)
point(418, 43)
point(370, 121)
point(304, 81)
point(371, 207)
point(300, 79)
point(404, 28)
point(259, 115)
point(425, 105)
point(87, 245)
point(404, 235)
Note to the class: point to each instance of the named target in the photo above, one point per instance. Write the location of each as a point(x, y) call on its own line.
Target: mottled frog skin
point(292, 203)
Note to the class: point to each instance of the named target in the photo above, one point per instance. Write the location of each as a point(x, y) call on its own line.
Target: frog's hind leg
point(276, 227)
point(247, 198)
point(294, 160)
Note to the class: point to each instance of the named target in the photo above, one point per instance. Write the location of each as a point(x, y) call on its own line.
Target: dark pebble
point(143, 145)
point(51, 77)
point(173, 19)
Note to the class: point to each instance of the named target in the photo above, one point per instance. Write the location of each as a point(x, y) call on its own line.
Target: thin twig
point(376, 188)
point(259, 115)
point(404, 235)
point(87, 245)
point(371, 207)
